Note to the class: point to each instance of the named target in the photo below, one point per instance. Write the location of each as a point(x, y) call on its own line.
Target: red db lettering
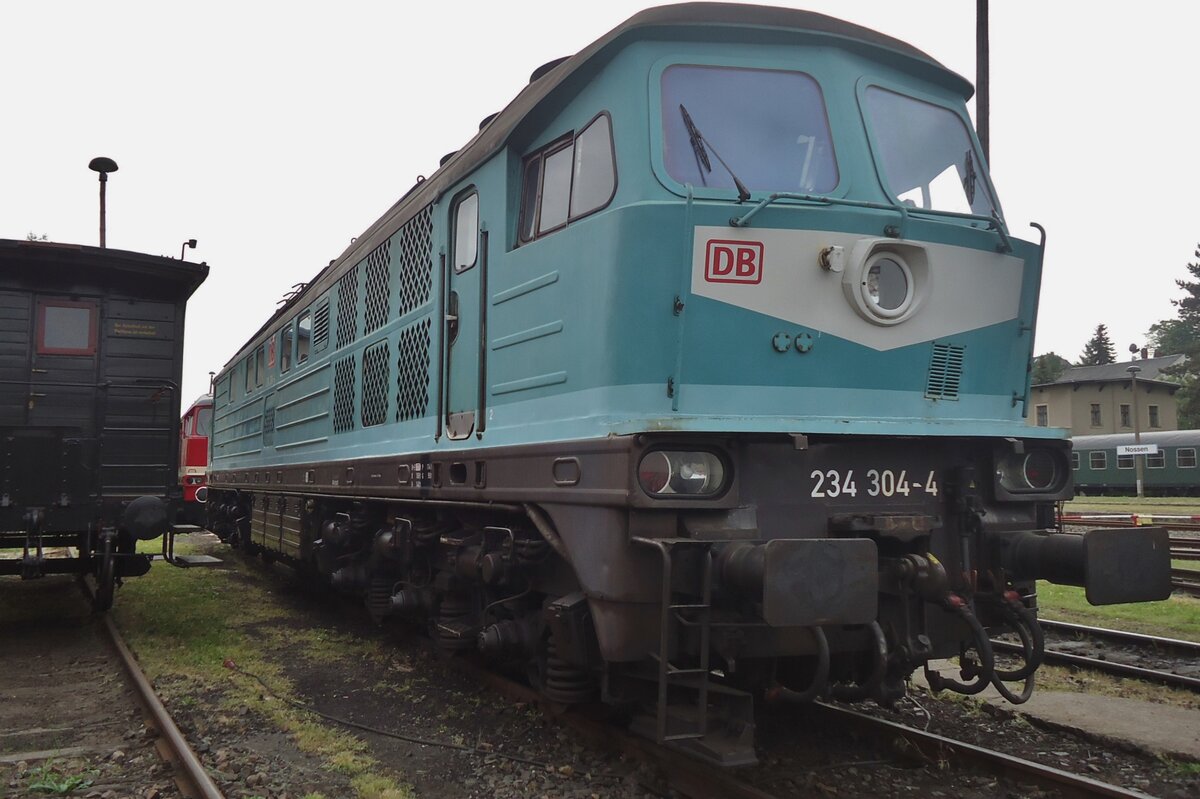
point(733, 261)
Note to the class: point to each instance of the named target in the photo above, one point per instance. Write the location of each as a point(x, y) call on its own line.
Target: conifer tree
point(1099, 350)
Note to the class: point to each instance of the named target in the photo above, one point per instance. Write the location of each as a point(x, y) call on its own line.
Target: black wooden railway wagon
point(91, 356)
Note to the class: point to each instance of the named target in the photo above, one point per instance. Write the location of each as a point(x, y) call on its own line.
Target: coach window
point(66, 328)
point(1075, 461)
point(1185, 457)
point(285, 349)
point(1095, 414)
point(466, 232)
point(1098, 460)
point(1043, 416)
point(1156, 460)
point(303, 336)
point(1153, 410)
point(1125, 417)
point(568, 179)
point(1124, 461)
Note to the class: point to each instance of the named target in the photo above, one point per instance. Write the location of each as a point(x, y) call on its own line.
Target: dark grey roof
point(1150, 370)
point(1163, 438)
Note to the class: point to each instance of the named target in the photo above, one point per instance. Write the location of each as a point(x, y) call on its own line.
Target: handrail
point(993, 222)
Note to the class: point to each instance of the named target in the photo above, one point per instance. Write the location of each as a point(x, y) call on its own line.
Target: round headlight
point(1040, 470)
point(887, 285)
point(667, 473)
point(202, 494)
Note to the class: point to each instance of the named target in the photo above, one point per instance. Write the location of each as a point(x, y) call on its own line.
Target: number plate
point(873, 483)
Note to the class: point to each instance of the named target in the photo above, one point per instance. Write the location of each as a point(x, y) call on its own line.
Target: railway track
point(1165, 661)
point(79, 713)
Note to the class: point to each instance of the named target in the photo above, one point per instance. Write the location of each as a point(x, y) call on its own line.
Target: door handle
point(452, 317)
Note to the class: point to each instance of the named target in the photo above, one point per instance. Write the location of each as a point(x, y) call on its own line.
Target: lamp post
point(1137, 427)
point(103, 166)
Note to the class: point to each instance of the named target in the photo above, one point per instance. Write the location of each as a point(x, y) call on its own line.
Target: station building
point(1090, 400)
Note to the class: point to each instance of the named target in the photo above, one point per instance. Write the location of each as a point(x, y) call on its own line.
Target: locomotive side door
point(465, 330)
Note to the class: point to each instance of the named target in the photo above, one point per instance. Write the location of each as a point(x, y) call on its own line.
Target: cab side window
point(568, 179)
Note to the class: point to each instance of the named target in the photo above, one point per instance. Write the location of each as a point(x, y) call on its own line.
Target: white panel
point(778, 273)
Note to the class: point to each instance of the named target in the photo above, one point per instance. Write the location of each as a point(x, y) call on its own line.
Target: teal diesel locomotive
point(696, 376)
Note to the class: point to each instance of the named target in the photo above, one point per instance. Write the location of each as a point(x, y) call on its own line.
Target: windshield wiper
point(700, 146)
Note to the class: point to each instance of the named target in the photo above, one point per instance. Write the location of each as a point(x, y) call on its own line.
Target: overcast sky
point(275, 132)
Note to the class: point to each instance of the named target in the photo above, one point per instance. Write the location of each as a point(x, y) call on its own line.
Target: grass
point(48, 779)
point(1167, 506)
point(1177, 617)
point(186, 624)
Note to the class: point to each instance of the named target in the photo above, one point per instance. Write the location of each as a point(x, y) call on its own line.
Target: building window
point(1124, 461)
point(1075, 461)
point(1153, 410)
point(1095, 414)
point(1185, 457)
point(1125, 416)
point(1098, 460)
point(1043, 416)
point(568, 179)
point(66, 328)
point(1156, 460)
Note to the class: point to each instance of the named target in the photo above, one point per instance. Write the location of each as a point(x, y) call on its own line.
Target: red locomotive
point(194, 429)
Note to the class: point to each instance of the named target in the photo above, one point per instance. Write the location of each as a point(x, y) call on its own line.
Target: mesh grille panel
point(347, 308)
point(343, 394)
point(375, 368)
point(320, 333)
point(378, 294)
point(416, 261)
point(945, 372)
point(412, 372)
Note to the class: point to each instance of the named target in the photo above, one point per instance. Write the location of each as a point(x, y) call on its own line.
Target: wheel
point(106, 577)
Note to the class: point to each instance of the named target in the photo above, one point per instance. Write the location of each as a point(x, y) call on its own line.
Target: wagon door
point(61, 398)
point(466, 324)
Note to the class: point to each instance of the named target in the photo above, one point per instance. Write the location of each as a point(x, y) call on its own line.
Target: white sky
point(275, 132)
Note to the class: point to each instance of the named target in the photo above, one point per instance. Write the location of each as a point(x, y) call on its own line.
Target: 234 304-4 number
point(878, 483)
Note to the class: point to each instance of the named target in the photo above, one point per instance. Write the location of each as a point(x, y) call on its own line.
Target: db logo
point(733, 261)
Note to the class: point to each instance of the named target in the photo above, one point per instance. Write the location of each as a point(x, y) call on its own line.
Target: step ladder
point(689, 721)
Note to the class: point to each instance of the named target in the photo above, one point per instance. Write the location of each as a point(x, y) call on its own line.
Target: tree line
point(1179, 335)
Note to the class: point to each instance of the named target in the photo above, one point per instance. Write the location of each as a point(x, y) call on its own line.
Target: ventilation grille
point(320, 334)
point(416, 261)
point(343, 395)
point(347, 308)
point(375, 383)
point(945, 372)
point(412, 372)
point(378, 297)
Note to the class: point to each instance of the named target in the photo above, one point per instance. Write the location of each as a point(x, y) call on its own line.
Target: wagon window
point(1185, 457)
point(303, 337)
point(768, 126)
point(260, 366)
point(1156, 460)
point(66, 328)
point(249, 373)
point(926, 154)
point(1098, 460)
point(1075, 461)
point(1124, 461)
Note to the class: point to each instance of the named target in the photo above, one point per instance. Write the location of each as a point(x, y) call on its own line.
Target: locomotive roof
point(684, 19)
point(44, 254)
point(1163, 438)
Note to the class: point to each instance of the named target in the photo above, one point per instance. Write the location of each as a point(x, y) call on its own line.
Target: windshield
point(926, 154)
point(204, 421)
point(768, 127)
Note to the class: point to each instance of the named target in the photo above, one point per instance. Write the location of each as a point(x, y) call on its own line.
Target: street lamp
point(103, 166)
point(1137, 427)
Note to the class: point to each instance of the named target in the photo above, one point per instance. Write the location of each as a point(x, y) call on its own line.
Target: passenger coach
point(91, 353)
point(698, 374)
